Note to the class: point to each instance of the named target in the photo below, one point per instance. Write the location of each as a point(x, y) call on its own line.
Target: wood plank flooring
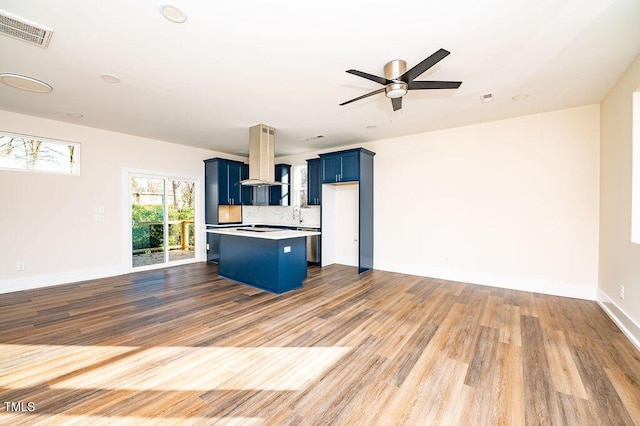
point(183, 346)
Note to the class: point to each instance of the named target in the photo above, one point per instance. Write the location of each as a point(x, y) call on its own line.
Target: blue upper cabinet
point(330, 166)
point(354, 165)
point(276, 195)
point(279, 195)
point(314, 183)
point(342, 166)
point(349, 167)
point(223, 182)
point(245, 191)
point(233, 172)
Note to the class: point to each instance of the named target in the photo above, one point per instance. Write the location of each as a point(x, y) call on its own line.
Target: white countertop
point(235, 225)
point(272, 235)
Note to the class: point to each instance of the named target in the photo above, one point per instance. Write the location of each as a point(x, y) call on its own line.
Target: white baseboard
point(59, 278)
point(627, 325)
point(29, 283)
point(554, 288)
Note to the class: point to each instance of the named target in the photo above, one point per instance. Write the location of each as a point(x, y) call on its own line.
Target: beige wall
point(619, 257)
point(511, 203)
point(47, 220)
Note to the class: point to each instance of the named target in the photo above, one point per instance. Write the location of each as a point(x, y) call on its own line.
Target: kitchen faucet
point(297, 209)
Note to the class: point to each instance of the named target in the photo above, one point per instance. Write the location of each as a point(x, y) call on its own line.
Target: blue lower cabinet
point(213, 247)
point(277, 266)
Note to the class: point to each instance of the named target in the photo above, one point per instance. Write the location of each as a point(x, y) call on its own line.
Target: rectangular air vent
point(24, 30)
point(487, 97)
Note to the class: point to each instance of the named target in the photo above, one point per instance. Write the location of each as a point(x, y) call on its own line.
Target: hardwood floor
point(182, 346)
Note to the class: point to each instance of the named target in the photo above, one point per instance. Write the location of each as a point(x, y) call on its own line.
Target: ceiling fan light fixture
point(396, 90)
point(398, 80)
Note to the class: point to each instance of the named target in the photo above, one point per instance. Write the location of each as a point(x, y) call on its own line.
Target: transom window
point(32, 153)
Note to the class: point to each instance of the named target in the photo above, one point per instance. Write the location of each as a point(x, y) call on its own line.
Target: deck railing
point(184, 236)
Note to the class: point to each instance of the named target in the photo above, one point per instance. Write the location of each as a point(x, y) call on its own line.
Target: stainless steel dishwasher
point(313, 245)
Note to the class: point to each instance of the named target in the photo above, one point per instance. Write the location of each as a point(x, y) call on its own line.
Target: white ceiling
point(235, 64)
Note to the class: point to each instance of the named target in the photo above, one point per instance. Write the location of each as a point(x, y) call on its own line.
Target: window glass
point(22, 152)
point(299, 192)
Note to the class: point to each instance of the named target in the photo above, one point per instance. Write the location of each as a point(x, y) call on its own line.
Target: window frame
point(77, 154)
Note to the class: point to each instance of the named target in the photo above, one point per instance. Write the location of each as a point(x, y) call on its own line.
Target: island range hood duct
point(262, 140)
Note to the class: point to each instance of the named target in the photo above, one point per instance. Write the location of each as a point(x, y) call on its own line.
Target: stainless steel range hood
point(262, 141)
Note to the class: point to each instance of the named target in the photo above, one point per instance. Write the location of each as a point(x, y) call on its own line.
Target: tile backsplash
point(278, 215)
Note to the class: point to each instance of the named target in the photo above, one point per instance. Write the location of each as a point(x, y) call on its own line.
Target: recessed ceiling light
point(110, 78)
point(372, 127)
point(172, 13)
point(520, 97)
point(74, 115)
point(25, 83)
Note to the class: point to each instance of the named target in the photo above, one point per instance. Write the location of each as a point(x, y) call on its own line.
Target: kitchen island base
point(275, 265)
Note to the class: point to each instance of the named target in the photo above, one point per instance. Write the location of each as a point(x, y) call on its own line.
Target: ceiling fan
point(397, 80)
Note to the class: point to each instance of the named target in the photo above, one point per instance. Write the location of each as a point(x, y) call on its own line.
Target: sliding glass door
point(162, 220)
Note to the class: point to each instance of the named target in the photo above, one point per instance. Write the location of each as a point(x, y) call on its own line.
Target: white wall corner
point(627, 325)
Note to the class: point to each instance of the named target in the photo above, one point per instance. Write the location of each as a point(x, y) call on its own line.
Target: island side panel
point(292, 263)
point(264, 263)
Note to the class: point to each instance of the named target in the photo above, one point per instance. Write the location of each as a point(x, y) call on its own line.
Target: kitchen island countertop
point(280, 234)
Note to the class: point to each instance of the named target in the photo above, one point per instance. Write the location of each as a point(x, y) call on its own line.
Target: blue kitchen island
point(270, 259)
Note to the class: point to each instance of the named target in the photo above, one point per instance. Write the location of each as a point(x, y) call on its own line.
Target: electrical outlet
point(19, 266)
point(621, 292)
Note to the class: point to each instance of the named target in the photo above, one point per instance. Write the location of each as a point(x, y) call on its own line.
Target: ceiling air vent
point(24, 30)
point(486, 98)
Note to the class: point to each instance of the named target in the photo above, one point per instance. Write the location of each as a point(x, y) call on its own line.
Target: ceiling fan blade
point(363, 96)
point(397, 103)
point(424, 65)
point(380, 80)
point(418, 85)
